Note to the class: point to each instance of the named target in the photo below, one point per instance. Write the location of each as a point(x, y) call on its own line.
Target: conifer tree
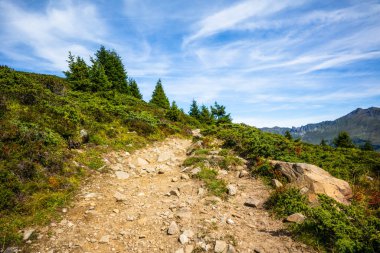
point(205, 115)
point(114, 68)
point(78, 69)
point(367, 146)
point(343, 140)
point(78, 73)
point(288, 135)
point(159, 97)
point(134, 89)
point(323, 143)
point(219, 113)
point(174, 112)
point(99, 80)
point(194, 110)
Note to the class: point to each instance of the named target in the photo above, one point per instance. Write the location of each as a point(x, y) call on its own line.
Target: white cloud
point(61, 27)
point(229, 17)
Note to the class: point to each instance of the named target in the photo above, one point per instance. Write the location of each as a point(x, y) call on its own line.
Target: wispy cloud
point(229, 17)
point(49, 35)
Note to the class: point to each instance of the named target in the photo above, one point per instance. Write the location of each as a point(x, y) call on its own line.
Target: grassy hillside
point(43, 123)
point(330, 226)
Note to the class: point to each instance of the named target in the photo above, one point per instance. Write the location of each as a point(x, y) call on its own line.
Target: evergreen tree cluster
point(106, 73)
point(216, 114)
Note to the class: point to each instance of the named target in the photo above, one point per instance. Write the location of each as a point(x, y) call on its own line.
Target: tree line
point(107, 73)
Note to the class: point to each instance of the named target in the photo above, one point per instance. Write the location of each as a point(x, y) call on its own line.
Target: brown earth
point(130, 207)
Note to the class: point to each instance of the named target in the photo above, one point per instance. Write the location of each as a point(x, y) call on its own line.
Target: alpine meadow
point(216, 126)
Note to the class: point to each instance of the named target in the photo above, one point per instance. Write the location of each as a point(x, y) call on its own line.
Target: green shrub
point(217, 187)
point(285, 202)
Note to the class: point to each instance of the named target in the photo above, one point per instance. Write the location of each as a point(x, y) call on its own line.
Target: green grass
point(215, 186)
point(40, 120)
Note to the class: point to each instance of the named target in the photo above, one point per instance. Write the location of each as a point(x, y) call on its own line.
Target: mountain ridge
point(361, 124)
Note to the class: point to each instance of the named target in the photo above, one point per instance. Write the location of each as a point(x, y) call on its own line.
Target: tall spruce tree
point(134, 89)
point(98, 77)
point(78, 73)
point(78, 69)
point(194, 110)
point(174, 112)
point(219, 113)
point(159, 97)
point(343, 140)
point(205, 115)
point(114, 69)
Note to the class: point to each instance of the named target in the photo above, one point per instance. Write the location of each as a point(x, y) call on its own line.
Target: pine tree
point(114, 68)
point(194, 110)
point(367, 146)
point(78, 73)
point(343, 140)
point(159, 97)
point(134, 89)
point(99, 80)
point(323, 143)
point(78, 69)
point(288, 135)
point(174, 112)
point(219, 113)
point(205, 115)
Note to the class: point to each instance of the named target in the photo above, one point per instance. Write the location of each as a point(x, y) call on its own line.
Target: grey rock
point(174, 193)
point(231, 249)
point(195, 171)
point(276, 183)
point(243, 173)
point(183, 239)
point(230, 221)
point(173, 228)
point(27, 233)
point(193, 147)
point(220, 246)
point(104, 239)
point(90, 195)
point(121, 175)
point(189, 233)
point(120, 197)
point(12, 250)
point(232, 189)
point(296, 218)
point(84, 135)
point(185, 176)
point(142, 162)
point(196, 133)
point(201, 191)
point(251, 202)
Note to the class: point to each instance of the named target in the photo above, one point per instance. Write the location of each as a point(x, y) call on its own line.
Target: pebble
point(230, 221)
point(183, 239)
point(173, 228)
point(27, 233)
point(185, 176)
point(220, 246)
point(232, 189)
point(120, 197)
point(104, 239)
point(251, 202)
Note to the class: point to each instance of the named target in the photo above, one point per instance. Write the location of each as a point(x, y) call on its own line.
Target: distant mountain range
point(361, 125)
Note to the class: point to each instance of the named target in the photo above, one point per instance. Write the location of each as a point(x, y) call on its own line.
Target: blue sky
point(270, 62)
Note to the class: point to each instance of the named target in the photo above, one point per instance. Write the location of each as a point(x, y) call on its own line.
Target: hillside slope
point(361, 125)
point(43, 121)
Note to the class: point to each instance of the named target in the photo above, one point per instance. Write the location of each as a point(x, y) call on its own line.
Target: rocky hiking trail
point(145, 202)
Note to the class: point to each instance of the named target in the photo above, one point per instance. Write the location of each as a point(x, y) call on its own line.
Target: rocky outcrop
point(313, 180)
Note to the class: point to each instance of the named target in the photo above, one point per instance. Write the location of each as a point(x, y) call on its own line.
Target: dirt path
point(131, 207)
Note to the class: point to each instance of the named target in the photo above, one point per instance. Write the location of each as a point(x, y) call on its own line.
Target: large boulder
point(313, 180)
